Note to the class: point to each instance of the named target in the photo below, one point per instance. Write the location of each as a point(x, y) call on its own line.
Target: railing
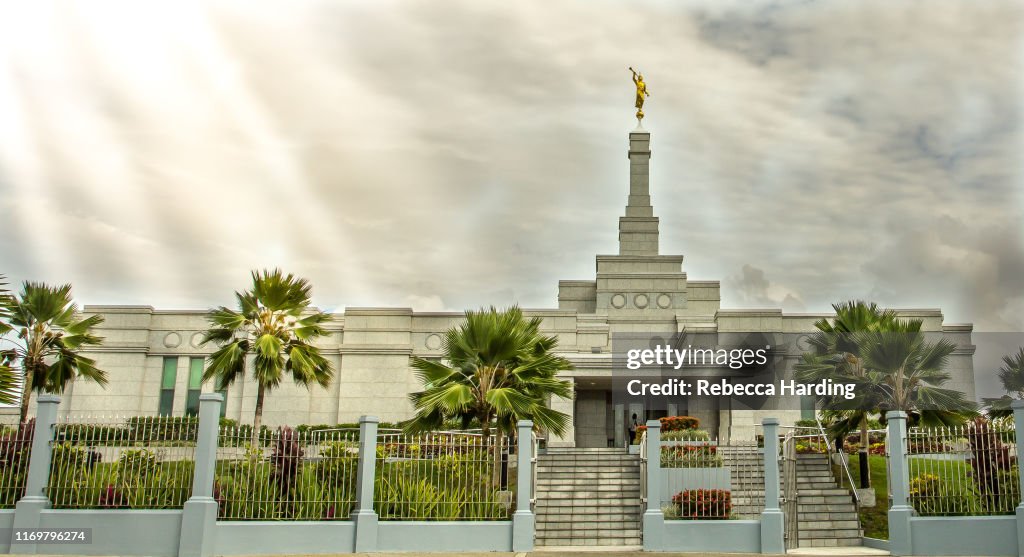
point(534, 455)
point(643, 471)
point(844, 462)
point(15, 448)
point(287, 475)
point(791, 494)
point(963, 470)
point(442, 476)
point(706, 480)
point(116, 462)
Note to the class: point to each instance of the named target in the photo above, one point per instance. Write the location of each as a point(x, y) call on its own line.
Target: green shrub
point(929, 495)
point(690, 456)
point(686, 435)
point(400, 497)
point(137, 464)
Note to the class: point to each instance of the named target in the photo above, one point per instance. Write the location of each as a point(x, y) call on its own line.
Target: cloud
point(752, 289)
point(474, 153)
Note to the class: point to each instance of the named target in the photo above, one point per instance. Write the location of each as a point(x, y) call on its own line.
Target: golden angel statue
point(641, 93)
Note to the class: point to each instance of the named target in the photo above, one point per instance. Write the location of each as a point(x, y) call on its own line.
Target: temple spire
point(638, 229)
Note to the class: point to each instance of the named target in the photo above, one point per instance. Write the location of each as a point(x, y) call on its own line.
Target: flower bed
point(700, 504)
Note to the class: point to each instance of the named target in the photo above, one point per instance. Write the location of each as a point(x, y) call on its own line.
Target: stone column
point(1018, 422)
point(523, 521)
point(363, 515)
point(568, 407)
point(654, 518)
point(29, 508)
point(900, 512)
point(638, 229)
point(199, 515)
point(773, 529)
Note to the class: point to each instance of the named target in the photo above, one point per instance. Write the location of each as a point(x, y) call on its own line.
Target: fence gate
point(789, 494)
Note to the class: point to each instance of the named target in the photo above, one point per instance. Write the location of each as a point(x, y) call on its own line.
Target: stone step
point(808, 525)
point(585, 493)
point(825, 500)
point(835, 533)
point(834, 542)
point(809, 507)
point(556, 477)
point(815, 516)
point(584, 450)
point(586, 525)
point(620, 484)
point(590, 467)
point(570, 518)
point(801, 492)
point(568, 472)
point(583, 541)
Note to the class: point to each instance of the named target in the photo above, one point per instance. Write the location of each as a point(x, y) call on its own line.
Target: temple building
point(155, 361)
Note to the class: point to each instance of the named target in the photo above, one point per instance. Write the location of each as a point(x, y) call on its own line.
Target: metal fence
point(286, 475)
point(443, 476)
point(963, 470)
point(15, 447)
point(122, 463)
point(703, 479)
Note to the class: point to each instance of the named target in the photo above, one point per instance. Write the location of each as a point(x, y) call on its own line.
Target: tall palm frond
point(497, 368)
point(50, 337)
point(274, 324)
point(9, 382)
point(1011, 375)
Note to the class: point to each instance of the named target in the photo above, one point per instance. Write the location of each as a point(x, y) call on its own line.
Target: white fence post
point(29, 508)
point(199, 514)
point(654, 518)
point(899, 482)
point(773, 530)
point(1018, 423)
point(363, 515)
point(523, 522)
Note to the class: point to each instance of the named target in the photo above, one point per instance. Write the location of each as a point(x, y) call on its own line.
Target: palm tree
point(905, 372)
point(895, 368)
point(1011, 374)
point(49, 339)
point(498, 368)
point(8, 377)
point(834, 350)
point(276, 324)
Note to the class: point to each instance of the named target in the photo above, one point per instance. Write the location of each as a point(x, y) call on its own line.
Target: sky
point(454, 154)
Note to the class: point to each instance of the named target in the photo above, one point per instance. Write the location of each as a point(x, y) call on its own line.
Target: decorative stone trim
point(618, 301)
point(641, 301)
point(172, 340)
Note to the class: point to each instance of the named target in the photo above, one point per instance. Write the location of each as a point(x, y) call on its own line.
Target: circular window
point(664, 301)
point(618, 301)
point(172, 340)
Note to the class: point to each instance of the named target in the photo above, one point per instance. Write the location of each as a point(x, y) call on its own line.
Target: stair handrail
point(842, 458)
point(534, 454)
point(643, 469)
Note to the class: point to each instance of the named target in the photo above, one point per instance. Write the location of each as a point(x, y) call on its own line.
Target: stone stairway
point(746, 476)
point(588, 497)
point(827, 516)
point(827, 513)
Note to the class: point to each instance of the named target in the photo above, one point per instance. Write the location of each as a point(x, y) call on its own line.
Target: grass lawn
point(875, 520)
point(955, 476)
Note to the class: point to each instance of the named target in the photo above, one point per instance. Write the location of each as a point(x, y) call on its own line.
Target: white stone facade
point(637, 290)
